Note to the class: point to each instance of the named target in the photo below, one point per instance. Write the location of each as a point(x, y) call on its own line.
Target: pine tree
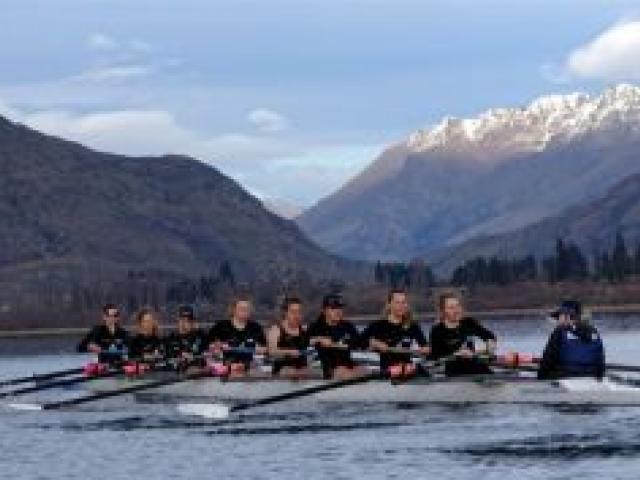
point(636, 261)
point(226, 274)
point(378, 272)
point(577, 265)
point(620, 259)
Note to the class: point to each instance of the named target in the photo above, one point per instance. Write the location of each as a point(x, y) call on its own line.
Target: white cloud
point(276, 167)
point(316, 172)
point(267, 121)
point(134, 132)
point(7, 111)
point(107, 43)
point(100, 41)
point(612, 55)
point(157, 132)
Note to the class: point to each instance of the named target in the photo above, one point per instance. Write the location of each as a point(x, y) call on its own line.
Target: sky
point(292, 98)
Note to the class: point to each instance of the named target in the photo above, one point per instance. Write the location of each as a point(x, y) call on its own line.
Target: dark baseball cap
point(186, 311)
point(333, 300)
point(572, 308)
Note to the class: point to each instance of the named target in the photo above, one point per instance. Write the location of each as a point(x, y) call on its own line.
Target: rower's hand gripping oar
point(36, 377)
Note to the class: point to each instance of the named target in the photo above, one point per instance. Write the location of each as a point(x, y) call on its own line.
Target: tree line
point(405, 275)
point(567, 262)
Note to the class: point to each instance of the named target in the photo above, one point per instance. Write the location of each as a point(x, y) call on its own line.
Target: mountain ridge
point(63, 203)
point(593, 226)
point(463, 178)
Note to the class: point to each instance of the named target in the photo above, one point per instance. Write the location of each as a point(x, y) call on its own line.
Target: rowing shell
point(491, 389)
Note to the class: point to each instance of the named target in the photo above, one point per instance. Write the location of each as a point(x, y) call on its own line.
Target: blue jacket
point(573, 351)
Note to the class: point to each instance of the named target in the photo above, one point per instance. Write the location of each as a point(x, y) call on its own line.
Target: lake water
point(127, 440)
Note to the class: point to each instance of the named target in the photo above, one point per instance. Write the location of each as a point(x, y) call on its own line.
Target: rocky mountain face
point(498, 172)
point(68, 209)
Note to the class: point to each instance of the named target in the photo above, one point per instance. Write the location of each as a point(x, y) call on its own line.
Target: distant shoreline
point(358, 319)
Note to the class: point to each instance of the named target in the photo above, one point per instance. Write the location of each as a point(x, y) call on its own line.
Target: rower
point(188, 342)
point(288, 341)
point(334, 338)
point(575, 348)
point(455, 334)
point(146, 346)
point(238, 338)
point(396, 336)
point(109, 340)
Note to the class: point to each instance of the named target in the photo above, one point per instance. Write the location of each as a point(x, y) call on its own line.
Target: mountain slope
point(592, 225)
point(67, 207)
point(466, 177)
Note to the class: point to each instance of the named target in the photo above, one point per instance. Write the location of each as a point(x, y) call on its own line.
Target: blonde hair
point(148, 311)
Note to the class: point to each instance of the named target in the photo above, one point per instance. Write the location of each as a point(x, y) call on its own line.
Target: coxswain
point(454, 335)
point(239, 338)
point(109, 340)
point(334, 338)
point(187, 343)
point(147, 345)
point(575, 347)
point(288, 341)
point(396, 337)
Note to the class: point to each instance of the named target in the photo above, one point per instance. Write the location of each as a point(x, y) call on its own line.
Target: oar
point(59, 383)
point(531, 361)
point(622, 368)
point(108, 394)
point(70, 381)
point(221, 411)
point(41, 376)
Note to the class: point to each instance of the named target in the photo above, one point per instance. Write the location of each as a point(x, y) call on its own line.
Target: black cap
point(186, 311)
point(333, 300)
point(110, 306)
point(572, 308)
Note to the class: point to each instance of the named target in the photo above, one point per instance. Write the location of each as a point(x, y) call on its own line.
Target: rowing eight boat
point(508, 388)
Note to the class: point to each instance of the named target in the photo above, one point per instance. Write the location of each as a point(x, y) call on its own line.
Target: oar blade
point(26, 407)
point(215, 411)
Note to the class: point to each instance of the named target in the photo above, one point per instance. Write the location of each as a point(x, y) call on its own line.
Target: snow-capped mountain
point(500, 132)
point(499, 171)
